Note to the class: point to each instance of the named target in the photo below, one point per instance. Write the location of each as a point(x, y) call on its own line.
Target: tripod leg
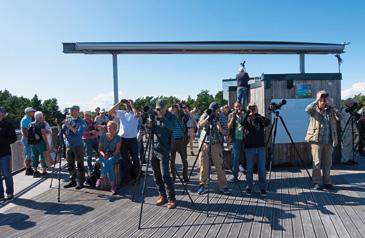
point(185, 188)
point(295, 147)
point(148, 146)
point(53, 172)
point(197, 156)
point(59, 179)
point(275, 126)
point(144, 182)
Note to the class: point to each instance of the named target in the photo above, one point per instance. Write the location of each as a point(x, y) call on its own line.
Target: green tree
point(219, 99)
point(49, 108)
point(203, 99)
point(36, 103)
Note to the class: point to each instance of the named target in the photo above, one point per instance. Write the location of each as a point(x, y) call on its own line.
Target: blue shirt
point(128, 124)
point(74, 139)
point(24, 123)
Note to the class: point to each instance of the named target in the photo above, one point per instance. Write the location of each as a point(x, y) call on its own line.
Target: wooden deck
point(291, 209)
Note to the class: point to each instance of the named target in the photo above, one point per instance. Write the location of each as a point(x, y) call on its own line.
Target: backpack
point(34, 137)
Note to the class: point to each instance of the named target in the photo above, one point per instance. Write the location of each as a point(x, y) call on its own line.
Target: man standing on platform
point(128, 121)
point(160, 162)
point(242, 85)
point(24, 125)
point(73, 129)
point(323, 137)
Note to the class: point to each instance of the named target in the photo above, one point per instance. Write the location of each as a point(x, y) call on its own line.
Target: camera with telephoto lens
point(352, 108)
point(277, 106)
point(60, 117)
point(148, 115)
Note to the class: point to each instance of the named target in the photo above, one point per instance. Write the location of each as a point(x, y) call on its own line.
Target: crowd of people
point(118, 138)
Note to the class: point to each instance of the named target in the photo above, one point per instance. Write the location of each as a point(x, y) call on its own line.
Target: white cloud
point(102, 100)
point(355, 89)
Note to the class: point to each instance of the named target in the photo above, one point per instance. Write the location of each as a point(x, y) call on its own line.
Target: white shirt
point(128, 124)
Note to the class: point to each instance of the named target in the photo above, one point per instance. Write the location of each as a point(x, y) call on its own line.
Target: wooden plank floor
point(291, 209)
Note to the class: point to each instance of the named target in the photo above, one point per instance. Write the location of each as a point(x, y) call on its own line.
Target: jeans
point(251, 155)
point(242, 94)
point(90, 144)
point(38, 151)
point(5, 171)
point(107, 167)
point(237, 146)
point(130, 148)
point(27, 149)
point(161, 171)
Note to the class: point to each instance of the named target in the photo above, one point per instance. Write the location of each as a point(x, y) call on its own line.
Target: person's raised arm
point(112, 110)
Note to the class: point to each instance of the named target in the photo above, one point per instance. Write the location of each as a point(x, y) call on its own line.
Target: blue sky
point(31, 58)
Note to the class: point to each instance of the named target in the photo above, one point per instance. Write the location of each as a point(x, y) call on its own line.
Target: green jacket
point(314, 123)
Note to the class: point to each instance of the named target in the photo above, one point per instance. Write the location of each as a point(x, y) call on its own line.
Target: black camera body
point(277, 106)
point(352, 108)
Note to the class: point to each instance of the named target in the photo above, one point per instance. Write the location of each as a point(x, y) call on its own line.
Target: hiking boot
point(29, 172)
point(316, 186)
point(9, 197)
point(36, 174)
point(225, 191)
point(263, 193)
point(79, 186)
point(171, 204)
point(328, 186)
point(201, 190)
point(234, 179)
point(162, 200)
point(70, 184)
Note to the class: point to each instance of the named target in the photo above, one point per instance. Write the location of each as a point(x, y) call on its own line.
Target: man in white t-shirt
point(128, 120)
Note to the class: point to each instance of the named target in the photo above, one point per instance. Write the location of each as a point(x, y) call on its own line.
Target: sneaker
point(263, 193)
point(316, 186)
point(29, 172)
point(233, 179)
point(201, 190)
point(328, 186)
point(98, 183)
point(162, 200)
point(248, 191)
point(225, 191)
point(113, 190)
point(79, 186)
point(70, 184)
point(9, 197)
point(36, 174)
point(171, 204)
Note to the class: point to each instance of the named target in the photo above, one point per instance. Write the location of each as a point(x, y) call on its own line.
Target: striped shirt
point(179, 129)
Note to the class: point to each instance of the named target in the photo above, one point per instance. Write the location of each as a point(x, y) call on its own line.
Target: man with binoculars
point(323, 137)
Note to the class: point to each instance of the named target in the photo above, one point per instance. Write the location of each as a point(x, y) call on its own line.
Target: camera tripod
point(149, 152)
point(59, 154)
point(272, 136)
point(350, 120)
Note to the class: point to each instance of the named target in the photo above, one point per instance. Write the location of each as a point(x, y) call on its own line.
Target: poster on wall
point(295, 118)
point(303, 90)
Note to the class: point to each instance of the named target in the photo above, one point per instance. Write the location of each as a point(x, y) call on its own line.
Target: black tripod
point(350, 120)
point(59, 153)
point(149, 151)
point(273, 130)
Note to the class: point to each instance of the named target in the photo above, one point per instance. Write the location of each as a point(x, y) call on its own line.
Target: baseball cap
point(160, 104)
point(29, 109)
point(75, 108)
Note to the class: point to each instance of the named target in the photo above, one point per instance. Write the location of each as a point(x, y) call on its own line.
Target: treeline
point(202, 101)
point(15, 107)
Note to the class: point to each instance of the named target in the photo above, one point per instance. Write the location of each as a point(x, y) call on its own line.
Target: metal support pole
point(302, 63)
point(115, 77)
